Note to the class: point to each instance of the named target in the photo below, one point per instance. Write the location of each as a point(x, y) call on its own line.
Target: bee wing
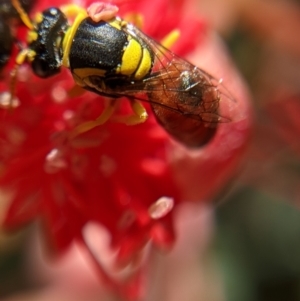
point(176, 85)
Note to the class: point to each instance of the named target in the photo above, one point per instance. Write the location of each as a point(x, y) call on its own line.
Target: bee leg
point(76, 90)
point(169, 40)
point(89, 125)
point(140, 114)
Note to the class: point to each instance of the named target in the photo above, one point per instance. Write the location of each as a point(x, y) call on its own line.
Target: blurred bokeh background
point(257, 228)
point(251, 243)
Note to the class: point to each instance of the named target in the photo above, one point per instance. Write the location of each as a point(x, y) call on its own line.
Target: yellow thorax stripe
point(68, 38)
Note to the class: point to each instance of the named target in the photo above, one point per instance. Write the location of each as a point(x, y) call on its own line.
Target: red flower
point(119, 176)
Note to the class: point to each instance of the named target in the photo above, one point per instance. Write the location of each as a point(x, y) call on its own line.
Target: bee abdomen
point(187, 109)
point(136, 60)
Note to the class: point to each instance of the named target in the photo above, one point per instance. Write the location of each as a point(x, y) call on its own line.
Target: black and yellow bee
point(115, 59)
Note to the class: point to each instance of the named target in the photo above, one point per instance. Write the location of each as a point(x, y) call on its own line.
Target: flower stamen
point(161, 207)
point(54, 161)
point(6, 102)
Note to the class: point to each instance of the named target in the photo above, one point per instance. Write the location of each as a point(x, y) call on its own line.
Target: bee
point(113, 58)
point(8, 17)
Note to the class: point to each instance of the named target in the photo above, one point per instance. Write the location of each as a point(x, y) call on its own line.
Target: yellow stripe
point(68, 39)
point(145, 65)
point(131, 57)
point(169, 40)
point(116, 23)
point(32, 36)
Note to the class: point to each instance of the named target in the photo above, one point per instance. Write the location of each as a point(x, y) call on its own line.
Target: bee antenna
point(23, 15)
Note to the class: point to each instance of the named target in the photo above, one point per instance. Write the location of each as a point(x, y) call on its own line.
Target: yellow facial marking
point(38, 18)
point(32, 36)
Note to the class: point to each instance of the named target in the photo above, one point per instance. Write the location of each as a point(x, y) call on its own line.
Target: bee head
point(44, 42)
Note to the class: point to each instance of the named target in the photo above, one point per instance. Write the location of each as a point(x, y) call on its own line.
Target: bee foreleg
point(140, 114)
point(89, 125)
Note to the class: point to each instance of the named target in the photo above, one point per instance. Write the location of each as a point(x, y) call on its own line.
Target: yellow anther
point(72, 10)
point(136, 19)
point(169, 40)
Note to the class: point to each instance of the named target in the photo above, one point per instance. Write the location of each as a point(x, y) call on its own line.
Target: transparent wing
point(173, 84)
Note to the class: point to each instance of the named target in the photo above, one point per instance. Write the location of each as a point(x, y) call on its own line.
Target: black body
point(97, 45)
